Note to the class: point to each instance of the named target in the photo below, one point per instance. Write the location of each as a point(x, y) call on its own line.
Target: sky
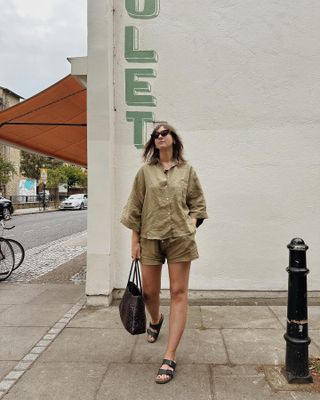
point(36, 37)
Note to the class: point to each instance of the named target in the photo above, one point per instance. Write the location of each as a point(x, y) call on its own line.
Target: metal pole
point(44, 196)
point(297, 340)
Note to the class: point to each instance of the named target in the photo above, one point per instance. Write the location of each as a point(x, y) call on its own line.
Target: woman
point(165, 207)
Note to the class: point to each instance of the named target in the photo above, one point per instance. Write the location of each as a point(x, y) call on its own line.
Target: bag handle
point(136, 278)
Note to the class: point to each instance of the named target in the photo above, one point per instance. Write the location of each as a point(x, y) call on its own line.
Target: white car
point(75, 202)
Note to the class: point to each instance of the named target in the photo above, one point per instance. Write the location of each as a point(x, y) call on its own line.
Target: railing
point(34, 199)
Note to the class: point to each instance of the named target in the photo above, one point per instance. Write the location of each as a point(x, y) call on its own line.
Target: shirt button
point(167, 198)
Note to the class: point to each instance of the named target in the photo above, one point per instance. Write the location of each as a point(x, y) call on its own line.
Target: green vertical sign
point(137, 87)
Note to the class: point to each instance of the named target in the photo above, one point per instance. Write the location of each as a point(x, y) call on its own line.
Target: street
point(33, 230)
point(51, 240)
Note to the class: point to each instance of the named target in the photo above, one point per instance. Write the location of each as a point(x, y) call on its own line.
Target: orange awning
point(53, 122)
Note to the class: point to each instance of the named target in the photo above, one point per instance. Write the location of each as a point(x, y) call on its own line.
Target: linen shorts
point(178, 249)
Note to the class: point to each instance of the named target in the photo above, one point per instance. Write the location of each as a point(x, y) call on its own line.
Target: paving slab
point(4, 307)
point(196, 346)
point(234, 383)
point(33, 314)
point(63, 294)
point(194, 320)
point(255, 346)
point(19, 294)
point(238, 317)
point(59, 381)
point(305, 396)
point(6, 367)
point(92, 317)
point(313, 315)
point(123, 382)
point(236, 370)
point(15, 342)
point(258, 346)
point(90, 345)
point(315, 340)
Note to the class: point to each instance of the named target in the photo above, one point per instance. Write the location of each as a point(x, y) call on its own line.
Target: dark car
point(6, 208)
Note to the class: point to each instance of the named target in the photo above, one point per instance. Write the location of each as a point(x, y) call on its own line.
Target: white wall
point(99, 282)
point(240, 82)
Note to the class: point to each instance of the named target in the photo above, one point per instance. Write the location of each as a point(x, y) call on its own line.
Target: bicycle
point(6, 259)
point(12, 254)
point(43, 205)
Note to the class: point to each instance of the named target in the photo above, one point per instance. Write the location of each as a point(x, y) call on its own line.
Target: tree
point(7, 169)
point(31, 163)
point(56, 176)
point(74, 175)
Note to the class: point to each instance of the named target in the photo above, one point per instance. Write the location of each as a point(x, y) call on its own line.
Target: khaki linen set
point(161, 207)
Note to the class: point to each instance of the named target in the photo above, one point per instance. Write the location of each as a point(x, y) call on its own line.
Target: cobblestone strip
point(45, 258)
point(23, 365)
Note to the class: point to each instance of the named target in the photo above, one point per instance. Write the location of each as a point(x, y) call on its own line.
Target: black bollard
point(297, 340)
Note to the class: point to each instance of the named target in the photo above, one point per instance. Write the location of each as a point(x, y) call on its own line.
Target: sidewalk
point(52, 347)
point(23, 211)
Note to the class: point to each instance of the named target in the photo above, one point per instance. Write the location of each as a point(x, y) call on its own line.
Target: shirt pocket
point(159, 196)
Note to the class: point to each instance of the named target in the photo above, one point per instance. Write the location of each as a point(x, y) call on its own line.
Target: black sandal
point(168, 372)
point(157, 327)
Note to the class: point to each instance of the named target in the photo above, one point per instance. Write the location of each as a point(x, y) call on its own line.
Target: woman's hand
point(194, 221)
point(135, 251)
point(135, 245)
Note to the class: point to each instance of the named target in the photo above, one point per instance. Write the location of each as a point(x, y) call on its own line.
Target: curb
point(33, 212)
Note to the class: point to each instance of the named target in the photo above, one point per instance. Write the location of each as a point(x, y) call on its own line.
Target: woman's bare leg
point(151, 284)
point(179, 282)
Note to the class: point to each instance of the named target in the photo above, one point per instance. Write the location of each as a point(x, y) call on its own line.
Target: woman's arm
point(135, 245)
point(195, 200)
point(131, 214)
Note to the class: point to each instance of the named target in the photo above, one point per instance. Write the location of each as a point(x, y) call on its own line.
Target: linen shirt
point(162, 203)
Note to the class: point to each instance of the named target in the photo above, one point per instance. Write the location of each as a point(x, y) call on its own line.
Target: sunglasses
point(156, 135)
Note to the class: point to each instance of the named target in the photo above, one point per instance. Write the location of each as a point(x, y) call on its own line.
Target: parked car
point(6, 208)
point(75, 202)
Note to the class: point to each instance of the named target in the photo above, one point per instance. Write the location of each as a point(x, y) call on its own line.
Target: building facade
point(9, 99)
point(239, 81)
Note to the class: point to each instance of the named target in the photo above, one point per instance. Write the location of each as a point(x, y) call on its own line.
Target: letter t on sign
point(139, 119)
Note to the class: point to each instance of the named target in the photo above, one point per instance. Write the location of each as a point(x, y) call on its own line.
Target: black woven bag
point(131, 307)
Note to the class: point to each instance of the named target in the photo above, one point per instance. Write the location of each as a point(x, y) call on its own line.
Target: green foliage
point(58, 172)
point(74, 175)
point(55, 177)
point(7, 169)
point(31, 163)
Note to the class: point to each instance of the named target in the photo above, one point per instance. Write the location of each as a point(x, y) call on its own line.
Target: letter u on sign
point(150, 10)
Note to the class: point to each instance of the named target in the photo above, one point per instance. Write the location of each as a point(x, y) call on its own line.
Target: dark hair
point(151, 154)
